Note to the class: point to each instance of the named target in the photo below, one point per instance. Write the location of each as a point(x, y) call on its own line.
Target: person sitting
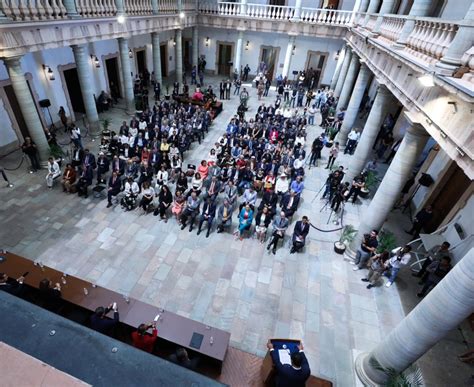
point(245, 220)
point(103, 166)
point(147, 196)
point(213, 187)
point(294, 375)
point(131, 192)
point(299, 234)
point(53, 172)
point(142, 340)
point(85, 180)
point(203, 169)
point(190, 211)
point(165, 199)
point(178, 204)
point(289, 204)
point(282, 185)
point(50, 295)
point(207, 215)
point(181, 358)
point(69, 178)
point(99, 321)
point(262, 221)
point(161, 178)
point(297, 185)
point(269, 201)
point(280, 224)
point(249, 197)
point(14, 287)
point(114, 188)
point(224, 216)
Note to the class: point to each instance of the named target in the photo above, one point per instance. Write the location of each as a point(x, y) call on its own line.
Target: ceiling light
point(426, 80)
point(121, 19)
point(181, 15)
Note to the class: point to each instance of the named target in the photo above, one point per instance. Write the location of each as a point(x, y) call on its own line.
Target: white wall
point(257, 39)
point(7, 133)
point(455, 9)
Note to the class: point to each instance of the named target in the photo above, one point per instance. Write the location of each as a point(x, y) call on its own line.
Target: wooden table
point(171, 327)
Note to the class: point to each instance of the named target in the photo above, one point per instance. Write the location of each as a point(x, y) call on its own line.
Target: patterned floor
point(236, 286)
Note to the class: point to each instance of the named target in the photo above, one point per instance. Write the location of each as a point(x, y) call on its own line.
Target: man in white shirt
point(353, 138)
point(401, 256)
point(76, 135)
point(53, 172)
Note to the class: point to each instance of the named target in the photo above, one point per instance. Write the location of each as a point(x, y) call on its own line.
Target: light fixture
point(181, 15)
point(460, 151)
point(121, 19)
point(336, 57)
point(426, 80)
point(173, 42)
point(95, 60)
point(130, 53)
point(207, 41)
point(247, 45)
point(294, 48)
point(48, 72)
point(444, 135)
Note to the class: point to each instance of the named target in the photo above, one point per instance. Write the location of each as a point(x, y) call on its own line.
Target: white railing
point(371, 22)
point(167, 6)
point(137, 7)
point(96, 8)
point(22, 10)
point(325, 16)
point(207, 7)
point(276, 12)
point(430, 38)
point(359, 18)
point(391, 27)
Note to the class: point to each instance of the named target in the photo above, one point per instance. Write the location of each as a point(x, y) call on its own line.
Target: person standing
point(434, 254)
point(376, 269)
point(420, 220)
point(353, 139)
point(4, 175)
point(222, 89)
point(63, 117)
point(75, 134)
point(237, 85)
point(401, 256)
point(228, 86)
point(437, 271)
point(29, 148)
point(246, 72)
point(333, 152)
point(294, 375)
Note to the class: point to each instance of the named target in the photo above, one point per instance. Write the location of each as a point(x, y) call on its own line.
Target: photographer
point(341, 194)
point(367, 248)
point(401, 256)
point(332, 183)
point(357, 185)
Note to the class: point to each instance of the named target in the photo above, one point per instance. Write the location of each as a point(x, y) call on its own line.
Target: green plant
point(370, 180)
point(56, 152)
point(411, 377)
point(332, 133)
point(387, 241)
point(348, 234)
point(105, 124)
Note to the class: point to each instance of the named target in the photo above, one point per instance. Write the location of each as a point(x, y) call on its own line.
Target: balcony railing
point(391, 27)
point(20, 10)
point(371, 22)
point(325, 16)
point(430, 38)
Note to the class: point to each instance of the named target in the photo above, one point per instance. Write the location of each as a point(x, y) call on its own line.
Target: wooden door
point(224, 59)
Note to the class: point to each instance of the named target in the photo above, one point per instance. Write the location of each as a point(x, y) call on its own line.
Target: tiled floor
point(233, 285)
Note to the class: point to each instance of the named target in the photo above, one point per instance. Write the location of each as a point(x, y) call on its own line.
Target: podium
point(268, 369)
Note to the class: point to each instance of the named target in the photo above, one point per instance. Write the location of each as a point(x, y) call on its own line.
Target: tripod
point(317, 194)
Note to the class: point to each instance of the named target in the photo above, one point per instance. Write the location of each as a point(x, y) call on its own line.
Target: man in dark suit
point(299, 234)
point(11, 286)
point(100, 322)
point(289, 203)
point(294, 375)
point(118, 165)
point(85, 180)
point(207, 215)
point(114, 188)
point(221, 89)
point(269, 200)
point(181, 358)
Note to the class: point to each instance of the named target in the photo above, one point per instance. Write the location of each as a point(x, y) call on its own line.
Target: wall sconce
point(48, 71)
point(173, 42)
point(130, 53)
point(444, 135)
point(294, 48)
point(207, 41)
point(460, 151)
point(426, 80)
point(247, 45)
point(95, 61)
point(181, 15)
point(336, 57)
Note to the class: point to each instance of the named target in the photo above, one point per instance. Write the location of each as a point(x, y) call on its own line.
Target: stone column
point(354, 104)
point(243, 7)
point(382, 103)
point(343, 73)
point(289, 53)
point(195, 46)
point(337, 72)
point(84, 73)
point(386, 8)
point(348, 83)
point(120, 7)
point(297, 13)
point(179, 55)
point(441, 311)
point(372, 8)
point(396, 176)
point(27, 106)
point(238, 51)
point(461, 43)
point(155, 46)
point(363, 5)
point(419, 8)
point(71, 10)
point(126, 75)
point(154, 7)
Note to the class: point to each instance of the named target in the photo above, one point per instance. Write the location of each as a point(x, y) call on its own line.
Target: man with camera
point(367, 248)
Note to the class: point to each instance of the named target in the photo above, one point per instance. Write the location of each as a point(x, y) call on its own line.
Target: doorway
point(269, 56)
point(224, 59)
point(141, 61)
point(315, 63)
point(164, 59)
point(74, 90)
point(15, 106)
point(448, 192)
point(111, 66)
point(277, 2)
point(329, 4)
point(187, 54)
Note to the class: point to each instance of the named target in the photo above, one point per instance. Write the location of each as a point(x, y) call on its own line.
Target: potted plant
point(370, 182)
point(347, 236)
point(387, 241)
point(105, 128)
point(411, 377)
point(56, 153)
point(331, 135)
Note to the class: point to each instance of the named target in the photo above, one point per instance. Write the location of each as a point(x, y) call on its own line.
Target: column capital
point(77, 47)
point(415, 121)
point(13, 60)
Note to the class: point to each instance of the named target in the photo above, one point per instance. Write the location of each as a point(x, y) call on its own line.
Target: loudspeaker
point(425, 180)
point(44, 103)
point(295, 72)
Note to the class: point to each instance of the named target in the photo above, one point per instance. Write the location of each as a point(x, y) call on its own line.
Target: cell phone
point(114, 306)
point(157, 317)
point(25, 273)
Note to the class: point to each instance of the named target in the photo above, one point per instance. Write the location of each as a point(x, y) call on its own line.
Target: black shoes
point(369, 286)
point(199, 231)
point(108, 204)
point(364, 279)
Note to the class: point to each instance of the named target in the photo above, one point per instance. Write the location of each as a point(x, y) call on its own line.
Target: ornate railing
point(430, 38)
point(137, 7)
point(326, 16)
point(22, 10)
point(391, 27)
point(371, 22)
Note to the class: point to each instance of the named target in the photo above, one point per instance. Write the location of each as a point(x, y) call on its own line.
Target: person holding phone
point(100, 322)
point(14, 287)
point(144, 341)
